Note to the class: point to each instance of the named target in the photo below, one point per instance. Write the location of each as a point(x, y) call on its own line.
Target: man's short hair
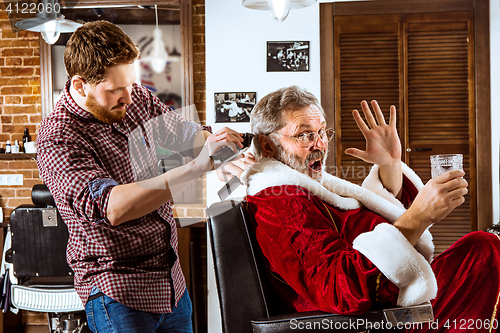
point(94, 47)
point(266, 116)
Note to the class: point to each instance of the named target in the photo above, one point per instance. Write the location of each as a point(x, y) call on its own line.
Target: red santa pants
point(468, 277)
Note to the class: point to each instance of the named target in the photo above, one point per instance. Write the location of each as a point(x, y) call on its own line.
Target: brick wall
point(199, 58)
point(20, 106)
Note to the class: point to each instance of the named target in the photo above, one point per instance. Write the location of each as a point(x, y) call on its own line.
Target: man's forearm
point(411, 226)
point(130, 201)
point(391, 177)
point(199, 141)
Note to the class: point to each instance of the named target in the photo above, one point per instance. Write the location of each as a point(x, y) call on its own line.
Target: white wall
point(236, 54)
point(236, 61)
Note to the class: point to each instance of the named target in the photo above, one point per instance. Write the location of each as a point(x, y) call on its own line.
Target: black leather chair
point(35, 262)
point(245, 301)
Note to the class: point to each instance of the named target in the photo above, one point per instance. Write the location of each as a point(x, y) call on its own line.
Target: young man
point(97, 155)
point(334, 246)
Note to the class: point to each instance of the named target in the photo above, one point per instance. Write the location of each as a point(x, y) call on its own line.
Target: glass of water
point(446, 162)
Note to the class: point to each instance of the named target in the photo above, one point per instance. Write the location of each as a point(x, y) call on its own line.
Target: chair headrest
point(40, 195)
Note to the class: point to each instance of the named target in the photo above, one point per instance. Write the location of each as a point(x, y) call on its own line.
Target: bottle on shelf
point(26, 138)
point(15, 148)
point(8, 149)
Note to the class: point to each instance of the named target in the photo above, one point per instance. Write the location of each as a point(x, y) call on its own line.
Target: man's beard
point(294, 162)
point(103, 114)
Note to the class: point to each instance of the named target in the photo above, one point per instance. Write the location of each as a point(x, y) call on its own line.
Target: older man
point(335, 246)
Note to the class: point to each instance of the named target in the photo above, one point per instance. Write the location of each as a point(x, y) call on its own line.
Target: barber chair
point(244, 294)
point(35, 262)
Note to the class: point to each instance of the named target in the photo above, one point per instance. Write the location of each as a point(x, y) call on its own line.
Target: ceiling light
point(278, 9)
point(159, 56)
point(49, 22)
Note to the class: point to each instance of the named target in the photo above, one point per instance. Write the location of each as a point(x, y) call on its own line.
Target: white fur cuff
point(374, 184)
point(400, 262)
point(425, 246)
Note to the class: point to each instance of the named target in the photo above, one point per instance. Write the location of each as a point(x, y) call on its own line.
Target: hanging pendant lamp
point(159, 56)
point(279, 9)
point(48, 21)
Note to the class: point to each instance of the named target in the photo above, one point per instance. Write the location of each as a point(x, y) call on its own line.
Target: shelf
point(17, 156)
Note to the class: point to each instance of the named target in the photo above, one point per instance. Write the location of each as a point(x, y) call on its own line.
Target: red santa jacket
point(332, 246)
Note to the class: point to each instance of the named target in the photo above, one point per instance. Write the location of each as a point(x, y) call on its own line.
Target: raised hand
point(383, 146)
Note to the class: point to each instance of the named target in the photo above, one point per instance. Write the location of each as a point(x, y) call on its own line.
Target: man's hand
point(440, 196)
point(235, 167)
point(383, 146)
point(433, 203)
point(210, 144)
point(226, 134)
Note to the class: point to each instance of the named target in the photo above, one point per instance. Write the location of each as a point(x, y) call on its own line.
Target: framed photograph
point(288, 56)
point(234, 106)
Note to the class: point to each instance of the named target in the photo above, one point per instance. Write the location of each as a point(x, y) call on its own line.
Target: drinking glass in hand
point(446, 162)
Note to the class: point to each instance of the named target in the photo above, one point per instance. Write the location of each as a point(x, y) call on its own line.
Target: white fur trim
point(394, 256)
point(373, 183)
point(425, 245)
point(333, 190)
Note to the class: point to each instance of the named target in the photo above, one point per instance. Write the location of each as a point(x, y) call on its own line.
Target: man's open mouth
point(315, 166)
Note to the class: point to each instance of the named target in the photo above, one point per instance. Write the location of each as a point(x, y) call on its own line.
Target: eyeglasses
point(309, 139)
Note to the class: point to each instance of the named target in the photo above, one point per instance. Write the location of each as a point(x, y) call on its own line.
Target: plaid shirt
point(81, 159)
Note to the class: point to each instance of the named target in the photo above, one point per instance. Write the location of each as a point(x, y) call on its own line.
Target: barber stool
point(244, 293)
point(35, 259)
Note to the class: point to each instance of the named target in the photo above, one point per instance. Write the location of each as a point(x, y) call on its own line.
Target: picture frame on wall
point(288, 56)
point(234, 106)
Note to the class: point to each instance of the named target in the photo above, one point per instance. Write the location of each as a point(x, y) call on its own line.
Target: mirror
point(174, 19)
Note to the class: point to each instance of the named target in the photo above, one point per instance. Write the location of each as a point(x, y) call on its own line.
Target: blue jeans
point(105, 315)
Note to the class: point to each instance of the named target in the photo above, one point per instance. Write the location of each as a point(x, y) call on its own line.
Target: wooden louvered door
point(367, 52)
point(439, 104)
point(423, 64)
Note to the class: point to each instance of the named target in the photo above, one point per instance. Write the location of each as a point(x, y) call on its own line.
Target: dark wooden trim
point(401, 7)
point(187, 55)
point(327, 73)
point(45, 77)
point(170, 4)
point(17, 156)
point(124, 15)
point(483, 115)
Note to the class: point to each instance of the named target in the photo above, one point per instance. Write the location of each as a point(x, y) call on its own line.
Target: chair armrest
point(411, 314)
point(318, 321)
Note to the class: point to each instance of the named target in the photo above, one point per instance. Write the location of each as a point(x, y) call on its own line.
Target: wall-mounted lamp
point(278, 9)
point(49, 22)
